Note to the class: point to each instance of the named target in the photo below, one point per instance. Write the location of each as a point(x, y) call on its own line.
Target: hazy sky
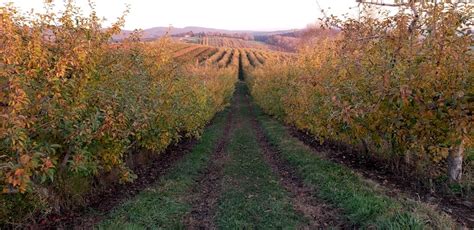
point(222, 14)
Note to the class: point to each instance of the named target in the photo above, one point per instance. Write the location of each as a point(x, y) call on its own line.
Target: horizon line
point(204, 27)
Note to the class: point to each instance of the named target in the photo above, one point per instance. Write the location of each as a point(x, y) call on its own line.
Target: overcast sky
point(222, 14)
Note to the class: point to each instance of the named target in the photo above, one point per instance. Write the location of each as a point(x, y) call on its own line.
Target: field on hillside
point(229, 42)
point(367, 126)
point(226, 56)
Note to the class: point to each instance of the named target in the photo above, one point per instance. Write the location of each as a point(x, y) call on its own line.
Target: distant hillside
point(157, 32)
point(283, 40)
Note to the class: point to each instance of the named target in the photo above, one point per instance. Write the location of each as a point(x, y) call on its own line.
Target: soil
point(205, 196)
point(459, 208)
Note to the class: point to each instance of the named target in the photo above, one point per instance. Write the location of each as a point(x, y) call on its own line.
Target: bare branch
point(382, 3)
point(371, 38)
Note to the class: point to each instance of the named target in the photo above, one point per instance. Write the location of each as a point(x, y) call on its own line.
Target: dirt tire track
point(204, 200)
point(303, 198)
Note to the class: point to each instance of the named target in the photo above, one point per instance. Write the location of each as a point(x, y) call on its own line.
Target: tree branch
point(382, 4)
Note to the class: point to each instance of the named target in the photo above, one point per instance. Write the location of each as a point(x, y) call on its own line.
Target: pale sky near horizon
point(224, 14)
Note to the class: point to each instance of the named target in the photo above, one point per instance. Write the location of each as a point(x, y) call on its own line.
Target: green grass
point(252, 197)
point(470, 155)
point(163, 206)
point(362, 202)
point(468, 182)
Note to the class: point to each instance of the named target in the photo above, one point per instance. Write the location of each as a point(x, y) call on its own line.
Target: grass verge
point(164, 205)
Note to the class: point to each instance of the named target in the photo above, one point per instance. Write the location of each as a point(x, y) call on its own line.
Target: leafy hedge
point(72, 104)
point(401, 86)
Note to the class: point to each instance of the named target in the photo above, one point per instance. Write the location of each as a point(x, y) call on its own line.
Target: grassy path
point(249, 172)
point(252, 196)
point(206, 192)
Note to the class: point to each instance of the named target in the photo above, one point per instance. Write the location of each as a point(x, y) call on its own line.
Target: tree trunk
point(455, 163)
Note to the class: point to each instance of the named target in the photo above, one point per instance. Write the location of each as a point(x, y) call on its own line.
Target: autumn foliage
point(400, 86)
point(73, 104)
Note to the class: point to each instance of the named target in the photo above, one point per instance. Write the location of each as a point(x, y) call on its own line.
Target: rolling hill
point(156, 32)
